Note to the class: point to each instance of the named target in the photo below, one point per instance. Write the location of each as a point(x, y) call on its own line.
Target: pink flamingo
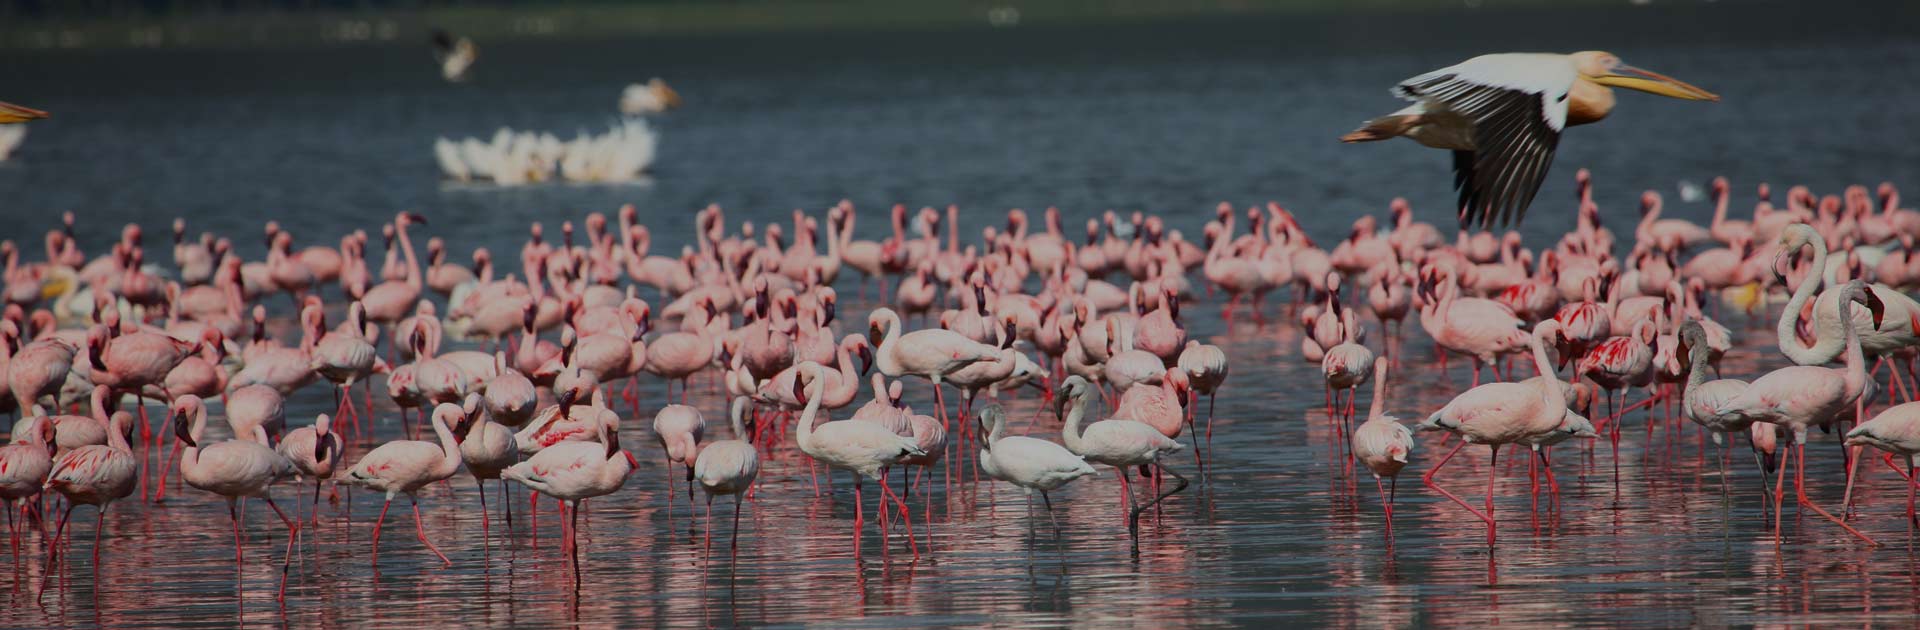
point(929, 354)
point(679, 428)
point(1666, 234)
point(346, 358)
point(1477, 327)
point(315, 451)
point(728, 467)
point(38, 369)
point(1800, 396)
point(269, 363)
point(487, 448)
point(24, 465)
point(574, 471)
point(406, 466)
point(1615, 365)
point(862, 448)
point(95, 475)
point(1206, 368)
point(1896, 431)
point(1496, 414)
point(511, 398)
point(234, 469)
point(1118, 442)
point(1729, 231)
point(678, 355)
point(1382, 444)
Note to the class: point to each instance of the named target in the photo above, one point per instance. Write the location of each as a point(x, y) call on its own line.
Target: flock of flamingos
point(1090, 319)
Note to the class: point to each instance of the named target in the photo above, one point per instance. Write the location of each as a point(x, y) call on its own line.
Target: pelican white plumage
point(1501, 115)
point(513, 158)
point(651, 97)
point(447, 153)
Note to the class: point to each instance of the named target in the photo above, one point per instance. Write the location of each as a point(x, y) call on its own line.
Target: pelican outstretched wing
point(1518, 106)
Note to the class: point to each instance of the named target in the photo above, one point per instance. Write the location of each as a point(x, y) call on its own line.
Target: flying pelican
point(1502, 115)
point(11, 113)
point(456, 55)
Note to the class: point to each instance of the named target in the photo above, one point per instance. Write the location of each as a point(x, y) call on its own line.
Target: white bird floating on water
point(513, 158)
point(651, 97)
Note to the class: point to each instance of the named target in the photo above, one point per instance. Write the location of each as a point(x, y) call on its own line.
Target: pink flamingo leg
point(376, 529)
point(1800, 489)
point(421, 528)
point(859, 516)
point(1430, 474)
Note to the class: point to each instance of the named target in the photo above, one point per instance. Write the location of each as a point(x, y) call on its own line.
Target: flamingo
point(1382, 443)
point(38, 369)
point(234, 469)
point(1800, 396)
point(929, 354)
point(511, 398)
point(24, 465)
point(728, 467)
point(344, 358)
point(574, 471)
point(1206, 368)
point(1502, 413)
point(862, 448)
point(1615, 365)
point(679, 428)
point(406, 466)
point(1896, 431)
point(1030, 463)
point(487, 448)
point(315, 451)
point(95, 475)
point(1117, 442)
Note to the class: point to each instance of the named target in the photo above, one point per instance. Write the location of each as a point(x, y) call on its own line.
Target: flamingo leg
point(1385, 504)
point(1800, 489)
point(1050, 516)
point(1913, 521)
point(859, 515)
point(485, 527)
point(1493, 468)
point(1133, 518)
point(376, 529)
point(420, 527)
point(1435, 471)
point(734, 543)
point(233, 515)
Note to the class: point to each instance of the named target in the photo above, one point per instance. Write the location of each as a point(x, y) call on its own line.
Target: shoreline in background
point(282, 29)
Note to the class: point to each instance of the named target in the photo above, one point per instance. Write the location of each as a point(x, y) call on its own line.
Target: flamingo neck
point(1553, 396)
point(1824, 347)
point(1070, 432)
point(1856, 362)
point(807, 416)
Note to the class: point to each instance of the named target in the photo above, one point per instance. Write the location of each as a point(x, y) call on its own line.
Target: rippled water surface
point(1165, 119)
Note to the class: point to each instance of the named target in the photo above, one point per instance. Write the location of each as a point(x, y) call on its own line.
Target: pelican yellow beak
point(1629, 77)
point(11, 113)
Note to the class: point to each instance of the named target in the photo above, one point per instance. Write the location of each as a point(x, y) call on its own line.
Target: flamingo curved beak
point(1875, 306)
point(181, 429)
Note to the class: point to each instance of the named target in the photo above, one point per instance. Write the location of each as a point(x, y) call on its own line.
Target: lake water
point(1169, 119)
